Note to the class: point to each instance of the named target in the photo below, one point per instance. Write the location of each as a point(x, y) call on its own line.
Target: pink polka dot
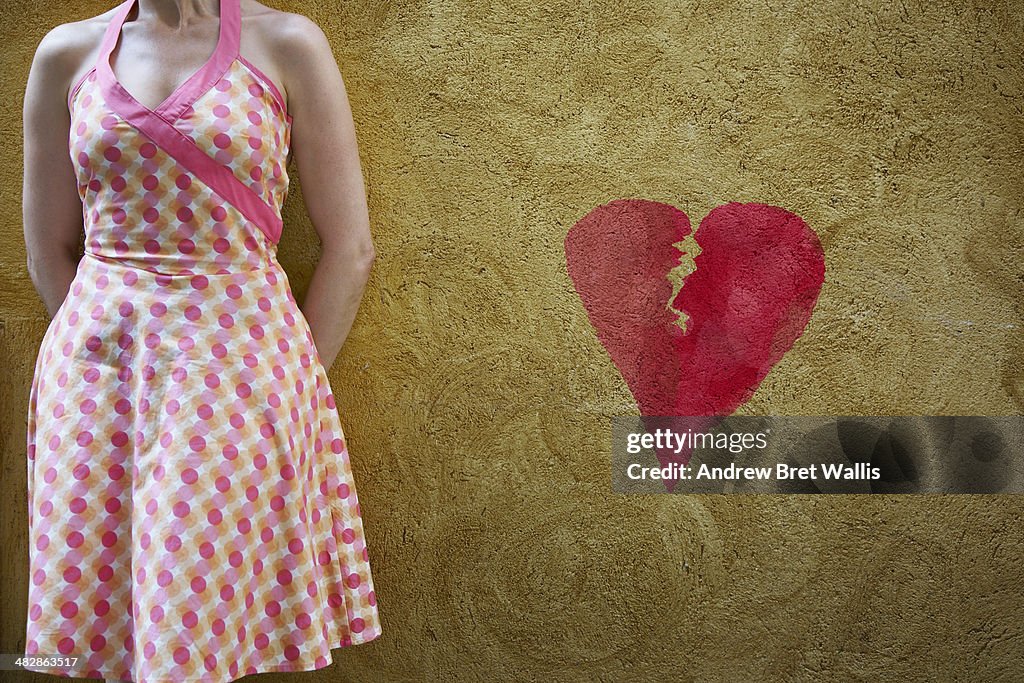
point(148, 150)
point(183, 182)
point(181, 655)
point(222, 140)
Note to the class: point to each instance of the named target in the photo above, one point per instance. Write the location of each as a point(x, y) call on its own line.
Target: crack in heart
point(688, 251)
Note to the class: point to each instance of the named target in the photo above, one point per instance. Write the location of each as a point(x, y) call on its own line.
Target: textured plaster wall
point(476, 395)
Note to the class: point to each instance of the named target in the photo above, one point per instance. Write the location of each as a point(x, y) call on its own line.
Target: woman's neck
point(177, 14)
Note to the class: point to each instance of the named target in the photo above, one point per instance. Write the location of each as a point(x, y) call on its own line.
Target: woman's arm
point(327, 157)
point(51, 205)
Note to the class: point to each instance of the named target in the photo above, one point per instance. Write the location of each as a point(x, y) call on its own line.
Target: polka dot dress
point(193, 514)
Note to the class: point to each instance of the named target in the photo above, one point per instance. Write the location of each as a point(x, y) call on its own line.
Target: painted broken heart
point(694, 334)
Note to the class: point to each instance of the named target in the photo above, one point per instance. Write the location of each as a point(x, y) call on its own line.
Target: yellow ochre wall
point(476, 395)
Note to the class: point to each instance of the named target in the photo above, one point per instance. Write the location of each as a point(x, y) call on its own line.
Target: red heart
point(756, 282)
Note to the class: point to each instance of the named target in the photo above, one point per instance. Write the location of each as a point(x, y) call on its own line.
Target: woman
point(191, 504)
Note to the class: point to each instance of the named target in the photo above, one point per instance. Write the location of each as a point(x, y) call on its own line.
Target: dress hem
point(297, 666)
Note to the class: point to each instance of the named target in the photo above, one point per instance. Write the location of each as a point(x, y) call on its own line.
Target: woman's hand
point(327, 158)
